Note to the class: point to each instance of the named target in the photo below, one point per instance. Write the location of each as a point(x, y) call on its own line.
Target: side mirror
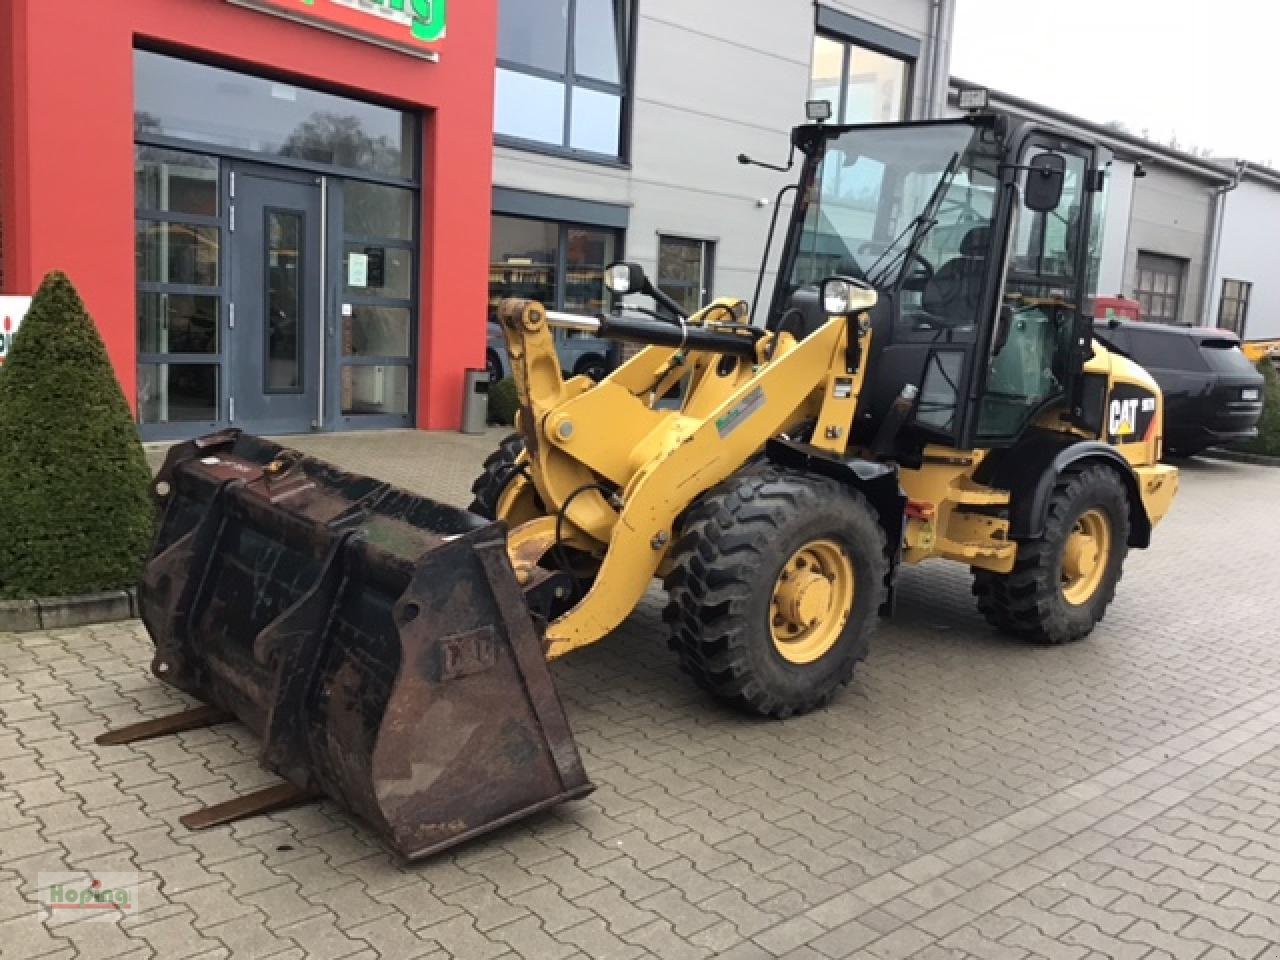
point(625, 278)
point(1046, 176)
point(845, 297)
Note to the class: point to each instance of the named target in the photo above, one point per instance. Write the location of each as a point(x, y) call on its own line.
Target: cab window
point(1032, 352)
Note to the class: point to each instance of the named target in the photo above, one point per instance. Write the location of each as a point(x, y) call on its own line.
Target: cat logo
point(1124, 418)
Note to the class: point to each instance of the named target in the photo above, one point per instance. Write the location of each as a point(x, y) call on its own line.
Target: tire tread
point(1025, 603)
point(723, 538)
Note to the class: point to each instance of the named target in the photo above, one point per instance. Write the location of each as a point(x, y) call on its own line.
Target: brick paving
point(965, 797)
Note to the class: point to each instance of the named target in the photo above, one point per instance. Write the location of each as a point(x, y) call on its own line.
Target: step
point(971, 494)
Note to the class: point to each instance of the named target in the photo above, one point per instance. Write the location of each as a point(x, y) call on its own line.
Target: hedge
point(504, 401)
point(1267, 442)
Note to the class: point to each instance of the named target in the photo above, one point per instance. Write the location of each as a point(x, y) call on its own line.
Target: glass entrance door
point(277, 304)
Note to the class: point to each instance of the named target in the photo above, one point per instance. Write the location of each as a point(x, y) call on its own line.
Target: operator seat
point(952, 295)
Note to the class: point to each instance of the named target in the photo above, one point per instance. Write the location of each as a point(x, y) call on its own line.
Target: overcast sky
point(1203, 70)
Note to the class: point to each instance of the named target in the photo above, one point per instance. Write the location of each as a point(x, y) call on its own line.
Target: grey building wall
point(1171, 216)
point(713, 79)
point(1248, 251)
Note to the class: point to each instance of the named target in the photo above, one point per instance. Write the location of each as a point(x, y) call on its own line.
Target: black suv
point(1212, 393)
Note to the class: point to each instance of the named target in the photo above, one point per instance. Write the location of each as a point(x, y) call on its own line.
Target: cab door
point(1042, 336)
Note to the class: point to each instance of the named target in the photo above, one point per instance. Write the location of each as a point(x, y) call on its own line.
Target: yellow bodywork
point(660, 460)
point(1257, 350)
point(610, 471)
point(1157, 482)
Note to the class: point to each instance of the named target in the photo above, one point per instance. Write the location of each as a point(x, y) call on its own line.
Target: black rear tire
point(1030, 603)
point(498, 471)
point(733, 545)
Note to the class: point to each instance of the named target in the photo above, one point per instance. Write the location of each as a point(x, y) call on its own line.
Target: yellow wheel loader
point(922, 382)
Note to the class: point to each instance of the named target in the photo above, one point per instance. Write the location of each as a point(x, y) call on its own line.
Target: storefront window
point(372, 210)
point(178, 251)
point(375, 390)
point(178, 323)
point(388, 271)
point(560, 265)
point(171, 182)
point(523, 263)
point(377, 313)
point(178, 393)
point(199, 103)
point(377, 331)
point(588, 252)
point(561, 69)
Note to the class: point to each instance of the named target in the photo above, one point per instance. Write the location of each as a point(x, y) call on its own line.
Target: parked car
point(591, 356)
point(1212, 393)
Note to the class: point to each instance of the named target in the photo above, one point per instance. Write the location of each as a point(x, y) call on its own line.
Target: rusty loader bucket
point(376, 641)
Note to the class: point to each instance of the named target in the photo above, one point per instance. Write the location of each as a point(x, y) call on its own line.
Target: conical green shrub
point(74, 510)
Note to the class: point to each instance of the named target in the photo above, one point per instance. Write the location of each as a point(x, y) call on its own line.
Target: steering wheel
point(919, 272)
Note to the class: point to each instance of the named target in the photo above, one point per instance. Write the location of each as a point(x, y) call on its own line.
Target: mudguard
point(1030, 468)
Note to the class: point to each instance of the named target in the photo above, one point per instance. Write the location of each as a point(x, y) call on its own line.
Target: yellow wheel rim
point(812, 600)
point(1084, 559)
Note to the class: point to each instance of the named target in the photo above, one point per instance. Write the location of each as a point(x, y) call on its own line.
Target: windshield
point(1224, 355)
point(892, 205)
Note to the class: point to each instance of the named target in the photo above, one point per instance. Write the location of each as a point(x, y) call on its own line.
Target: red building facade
point(276, 211)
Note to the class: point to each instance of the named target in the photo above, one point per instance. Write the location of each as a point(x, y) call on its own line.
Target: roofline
point(1126, 145)
point(1262, 174)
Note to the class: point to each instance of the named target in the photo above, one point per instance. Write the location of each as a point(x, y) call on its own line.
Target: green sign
point(414, 25)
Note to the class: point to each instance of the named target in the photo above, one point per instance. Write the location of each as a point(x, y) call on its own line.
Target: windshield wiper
point(923, 222)
point(871, 270)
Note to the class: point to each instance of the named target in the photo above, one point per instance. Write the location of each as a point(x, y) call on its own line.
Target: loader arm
point(616, 473)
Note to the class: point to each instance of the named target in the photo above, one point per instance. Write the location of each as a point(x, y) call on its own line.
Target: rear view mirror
point(1046, 175)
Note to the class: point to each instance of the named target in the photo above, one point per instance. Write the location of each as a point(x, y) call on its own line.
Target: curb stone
point(1241, 456)
point(52, 613)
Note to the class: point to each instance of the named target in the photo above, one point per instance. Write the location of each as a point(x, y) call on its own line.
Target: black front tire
point(493, 365)
point(1030, 603)
point(498, 471)
point(733, 544)
point(597, 368)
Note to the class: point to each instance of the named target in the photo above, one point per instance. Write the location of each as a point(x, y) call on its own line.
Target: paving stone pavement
point(964, 797)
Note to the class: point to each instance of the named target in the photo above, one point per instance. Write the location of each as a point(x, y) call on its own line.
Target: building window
point(1159, 287)
point(180, 286)
point(685, 271)
point(562, 69)
point(178, 99)
point(378, 258)
point(558, 264)
point(1233, 310)
point(862, 68)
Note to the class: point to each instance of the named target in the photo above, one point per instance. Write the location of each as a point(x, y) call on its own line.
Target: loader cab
point(975, 234)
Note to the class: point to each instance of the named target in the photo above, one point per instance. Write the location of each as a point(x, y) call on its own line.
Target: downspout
point(940, 68)
point(931, 77)
point(1218, 216)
